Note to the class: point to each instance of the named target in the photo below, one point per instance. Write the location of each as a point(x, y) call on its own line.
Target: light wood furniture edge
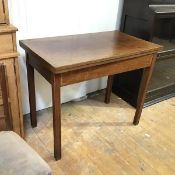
point(18, 128)
point(19, 97)
point(6, 11)
point(5, 98)
point(10, 59)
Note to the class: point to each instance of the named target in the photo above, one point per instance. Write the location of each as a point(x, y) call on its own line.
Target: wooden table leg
point(147, 73)
point(109, 89)
point(56, 116)
point(31, 88)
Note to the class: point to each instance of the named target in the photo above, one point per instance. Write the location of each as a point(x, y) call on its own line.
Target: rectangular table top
point(64, 53)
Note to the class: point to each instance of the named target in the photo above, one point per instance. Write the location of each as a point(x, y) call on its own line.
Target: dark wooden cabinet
point(151, 20)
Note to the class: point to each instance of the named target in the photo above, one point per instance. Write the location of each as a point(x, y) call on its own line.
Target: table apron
point(84, 74)
point(47, 74)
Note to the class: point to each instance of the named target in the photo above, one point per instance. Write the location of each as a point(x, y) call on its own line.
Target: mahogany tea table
point(65, 60)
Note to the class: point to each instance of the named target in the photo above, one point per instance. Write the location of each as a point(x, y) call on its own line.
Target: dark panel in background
point(142, 18)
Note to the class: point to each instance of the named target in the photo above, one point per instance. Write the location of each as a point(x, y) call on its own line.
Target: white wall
point(42, 18)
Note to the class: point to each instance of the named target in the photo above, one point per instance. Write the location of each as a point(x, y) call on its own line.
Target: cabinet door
point(5, 117)
point(2, 12)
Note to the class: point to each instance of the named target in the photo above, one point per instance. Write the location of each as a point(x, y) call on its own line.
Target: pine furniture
point(71, 59)
point(4, 16)
point(11, 117)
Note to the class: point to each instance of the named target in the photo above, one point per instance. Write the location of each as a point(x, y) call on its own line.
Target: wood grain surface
point(72, 59)
point(8, 42)
point(105, 70)
point(99, 139)
point(7, 28)
point(5, 99)
point(60, 54)
point(9, 59)
point(4, 14)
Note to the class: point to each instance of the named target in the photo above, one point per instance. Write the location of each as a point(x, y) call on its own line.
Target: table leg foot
point(33, 125)
point(57, 156)
point(136, 122)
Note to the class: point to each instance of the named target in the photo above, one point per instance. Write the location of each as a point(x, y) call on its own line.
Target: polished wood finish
point(105, 70)
point(56, 101)
point(31, 87)
point(147, 73)
point(67, 53)
point(99, 139)
point(71, 59)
